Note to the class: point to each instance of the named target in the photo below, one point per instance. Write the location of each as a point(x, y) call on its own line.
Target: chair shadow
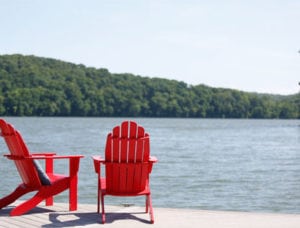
point(89, 218)
point(116, 216)
point(70, 219)
point(37, 210)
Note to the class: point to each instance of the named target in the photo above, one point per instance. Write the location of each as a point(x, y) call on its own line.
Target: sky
point(251, 46)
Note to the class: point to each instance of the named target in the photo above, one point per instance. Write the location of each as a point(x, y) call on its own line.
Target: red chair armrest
point(97, 163)
point(53, 156)
point(43, 154)
point(98, 158)
point(13, 157)
point(153, 159)
point(73, 161)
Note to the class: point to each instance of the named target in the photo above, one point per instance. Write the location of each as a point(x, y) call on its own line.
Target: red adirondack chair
point(46, 183)
point(127, 165)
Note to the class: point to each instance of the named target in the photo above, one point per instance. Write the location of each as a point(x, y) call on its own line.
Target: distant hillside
point(35, 86)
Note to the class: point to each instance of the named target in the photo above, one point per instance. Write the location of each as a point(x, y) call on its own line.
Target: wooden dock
point(133, 216)
point(60, 216)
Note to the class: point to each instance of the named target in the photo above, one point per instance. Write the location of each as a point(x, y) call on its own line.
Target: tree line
point(36, 86)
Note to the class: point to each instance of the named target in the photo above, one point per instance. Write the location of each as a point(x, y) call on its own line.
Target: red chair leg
point(73, 194)
point(17, 193)
point(42, 194)
point(73, 168)
point(98, 197)
point(98, 203)
point(147, 204)
point(26, 206)
point(103, 210)
point(151, 209)
point(49, 201)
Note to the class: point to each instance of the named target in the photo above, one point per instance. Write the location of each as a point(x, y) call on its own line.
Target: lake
point(214, 164)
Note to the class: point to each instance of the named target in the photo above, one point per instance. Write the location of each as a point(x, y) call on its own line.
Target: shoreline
point(134, 216)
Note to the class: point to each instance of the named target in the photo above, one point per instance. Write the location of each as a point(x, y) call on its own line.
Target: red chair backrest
point(126, 156)
point(19, 152)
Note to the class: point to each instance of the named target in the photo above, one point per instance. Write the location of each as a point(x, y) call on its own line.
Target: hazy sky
point(246, 45)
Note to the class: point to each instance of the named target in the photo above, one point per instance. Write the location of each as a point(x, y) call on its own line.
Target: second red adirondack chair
point(46, 183)
point(128, 165)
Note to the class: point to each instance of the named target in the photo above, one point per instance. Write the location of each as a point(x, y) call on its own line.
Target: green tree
point(35, 86)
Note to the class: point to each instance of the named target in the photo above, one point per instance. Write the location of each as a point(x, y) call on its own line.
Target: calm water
point(216, 164)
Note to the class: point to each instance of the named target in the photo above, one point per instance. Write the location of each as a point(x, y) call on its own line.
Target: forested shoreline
point(37, 86)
